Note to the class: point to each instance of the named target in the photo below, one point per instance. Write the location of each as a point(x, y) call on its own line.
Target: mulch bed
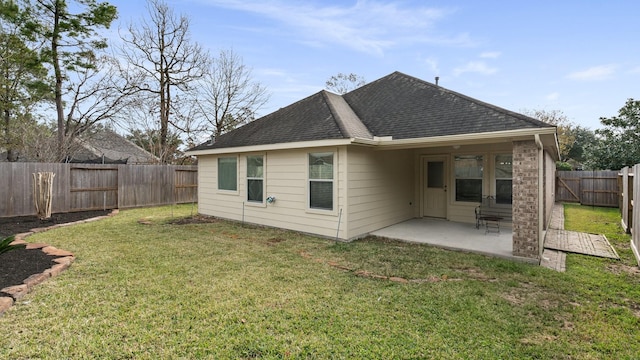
point(17, 265)
point(21, 224)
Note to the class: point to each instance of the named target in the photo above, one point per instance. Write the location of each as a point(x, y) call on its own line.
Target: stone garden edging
point(63, 262)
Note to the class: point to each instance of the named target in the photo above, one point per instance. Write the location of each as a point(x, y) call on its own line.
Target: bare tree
point(36, 142)
point(96, 94)
point(229, 97)
point(143, 129)
point(343, 83)
point(163, 62)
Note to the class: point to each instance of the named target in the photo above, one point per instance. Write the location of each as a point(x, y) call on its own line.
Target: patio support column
point(526, 197)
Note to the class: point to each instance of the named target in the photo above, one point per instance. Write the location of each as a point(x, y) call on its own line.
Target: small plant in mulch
point(5, 244)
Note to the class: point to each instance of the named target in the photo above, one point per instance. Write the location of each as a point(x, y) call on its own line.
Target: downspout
point(541, 194)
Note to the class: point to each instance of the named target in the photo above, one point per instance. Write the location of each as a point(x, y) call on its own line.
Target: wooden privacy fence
point(629, 208)
point(596, 188)
point(82, 187)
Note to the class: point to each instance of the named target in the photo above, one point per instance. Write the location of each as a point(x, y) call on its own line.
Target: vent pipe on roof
point(437, 78)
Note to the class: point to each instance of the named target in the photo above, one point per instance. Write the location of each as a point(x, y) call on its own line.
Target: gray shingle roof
point(306, 120)
point(112, 146)
point(396, 105)
point(405, 107)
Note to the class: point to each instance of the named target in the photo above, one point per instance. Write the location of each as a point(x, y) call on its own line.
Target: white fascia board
point(268, 147)
point(488, 137)
point(387, 142)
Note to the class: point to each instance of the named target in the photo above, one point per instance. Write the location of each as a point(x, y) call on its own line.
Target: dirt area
point(17, 265)
point(195, 219)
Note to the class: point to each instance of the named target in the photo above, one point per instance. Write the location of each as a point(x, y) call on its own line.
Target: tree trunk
point(58, 76)
point(43, 193)
point(7, 135)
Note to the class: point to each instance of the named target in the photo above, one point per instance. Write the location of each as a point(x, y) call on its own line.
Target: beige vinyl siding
point(286, 180)
point(549, 186)
point(380, 189)
point(212, 201)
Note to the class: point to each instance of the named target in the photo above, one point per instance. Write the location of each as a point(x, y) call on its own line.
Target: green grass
point(221, 290)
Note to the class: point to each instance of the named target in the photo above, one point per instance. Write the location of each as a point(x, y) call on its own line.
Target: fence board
point(80, 187)
point(596, 188)
point(186, 184)
point(16, 187)
point(625, 184)
point(93, 187)
point(635, 230)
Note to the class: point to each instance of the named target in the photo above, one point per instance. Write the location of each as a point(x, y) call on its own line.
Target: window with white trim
point(468, 176)
point(228, 173)
point(504, 178)
point(321, 181)
point(255, 178)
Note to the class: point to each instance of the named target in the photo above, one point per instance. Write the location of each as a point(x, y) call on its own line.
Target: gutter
point(541, 194)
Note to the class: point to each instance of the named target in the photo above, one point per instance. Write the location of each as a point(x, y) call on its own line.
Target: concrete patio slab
point(465, 237)
point(451, 235)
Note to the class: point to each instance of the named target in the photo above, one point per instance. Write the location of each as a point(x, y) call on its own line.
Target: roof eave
point(548, 137)
point(475, 138)
point(270, 147)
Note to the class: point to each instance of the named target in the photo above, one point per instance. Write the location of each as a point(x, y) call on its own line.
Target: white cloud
point(433, 65)
point(479, 67)
point(595, 73)
point(368, 26)
point(635, 70)
point(490, 55)
point(271, 72)
point(553, 96)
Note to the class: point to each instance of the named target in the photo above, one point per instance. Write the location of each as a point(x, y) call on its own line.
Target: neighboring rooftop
point(106, 146)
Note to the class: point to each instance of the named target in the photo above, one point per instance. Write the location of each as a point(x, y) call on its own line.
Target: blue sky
point(580, 57)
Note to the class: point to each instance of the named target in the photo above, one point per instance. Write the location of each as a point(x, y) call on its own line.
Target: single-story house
point(394, 149)
point(98, 146)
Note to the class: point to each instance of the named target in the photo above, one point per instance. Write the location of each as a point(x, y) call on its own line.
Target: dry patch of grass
point(618, 269)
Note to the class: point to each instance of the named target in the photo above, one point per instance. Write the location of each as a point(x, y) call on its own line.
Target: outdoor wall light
point(271, 199)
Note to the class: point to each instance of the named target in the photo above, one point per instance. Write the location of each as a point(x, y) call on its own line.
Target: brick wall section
point(525, 200)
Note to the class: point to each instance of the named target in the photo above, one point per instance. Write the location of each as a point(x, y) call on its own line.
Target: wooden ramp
point(558, 242)
point(579, 243)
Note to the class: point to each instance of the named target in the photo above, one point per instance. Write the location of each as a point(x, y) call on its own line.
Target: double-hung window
point(503, 176)
point(228, 173)
point(255, 178)
point(468, 173)
point(321, 181)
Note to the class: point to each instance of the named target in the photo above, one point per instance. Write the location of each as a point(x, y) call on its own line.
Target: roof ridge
point(347, 120)
point(474, 100)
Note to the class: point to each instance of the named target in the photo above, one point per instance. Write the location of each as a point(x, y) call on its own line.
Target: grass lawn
point(152, 289)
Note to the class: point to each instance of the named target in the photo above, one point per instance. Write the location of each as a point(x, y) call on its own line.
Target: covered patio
point(452, 235)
